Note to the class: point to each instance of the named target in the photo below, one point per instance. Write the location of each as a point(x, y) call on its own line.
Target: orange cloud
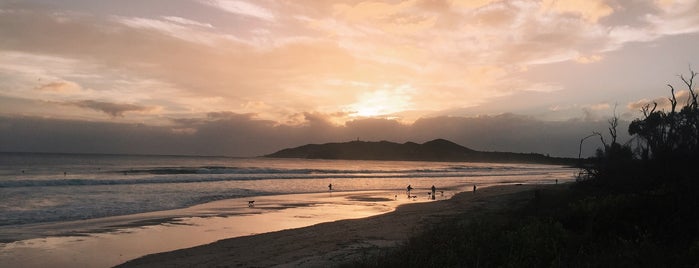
point(663, 102)
point(589, 59)
point(280, 61)
point(470, 4)
point(63, 87)
point(400, 18)
point(590, 10)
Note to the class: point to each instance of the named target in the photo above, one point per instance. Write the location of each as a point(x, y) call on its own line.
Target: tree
point(670, 134)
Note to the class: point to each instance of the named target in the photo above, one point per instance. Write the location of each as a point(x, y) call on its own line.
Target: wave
point(202, 179)
point(253, 170)
point(215, 173)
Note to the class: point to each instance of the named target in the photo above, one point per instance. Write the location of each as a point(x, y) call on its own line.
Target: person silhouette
point(330, 187)
point(434, 192)
point(474, 188)
point(408, 190)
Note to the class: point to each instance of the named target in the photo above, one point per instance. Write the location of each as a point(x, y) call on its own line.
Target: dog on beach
point(251, 203)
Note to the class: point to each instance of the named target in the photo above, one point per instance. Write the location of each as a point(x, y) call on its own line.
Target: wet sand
point(106, 242)
point(333, 243)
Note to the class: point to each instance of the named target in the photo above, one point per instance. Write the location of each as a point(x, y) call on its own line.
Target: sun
point(369, 111)
point(381, 102)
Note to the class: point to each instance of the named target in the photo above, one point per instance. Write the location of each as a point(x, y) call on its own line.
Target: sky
point(246, 78)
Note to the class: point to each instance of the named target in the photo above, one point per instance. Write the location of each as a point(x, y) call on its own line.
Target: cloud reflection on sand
point(114, 240)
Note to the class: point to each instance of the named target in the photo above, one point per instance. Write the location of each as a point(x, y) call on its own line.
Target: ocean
point(42, 188)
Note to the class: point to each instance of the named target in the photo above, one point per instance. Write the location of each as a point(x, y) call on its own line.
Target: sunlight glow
point(385, 101)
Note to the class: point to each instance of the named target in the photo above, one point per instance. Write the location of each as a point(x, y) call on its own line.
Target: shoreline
point(336, 242)
point(220, 208)
point(105, 242)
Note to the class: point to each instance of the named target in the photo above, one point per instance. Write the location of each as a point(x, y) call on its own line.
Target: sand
point(106, 242)
point(338, 242)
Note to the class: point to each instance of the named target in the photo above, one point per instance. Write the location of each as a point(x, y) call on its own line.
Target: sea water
point(42, 188)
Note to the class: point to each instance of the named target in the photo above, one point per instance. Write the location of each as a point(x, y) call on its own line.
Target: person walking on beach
point(330, 187)
point(408, 190)
point(474, 188)
point(434, 192)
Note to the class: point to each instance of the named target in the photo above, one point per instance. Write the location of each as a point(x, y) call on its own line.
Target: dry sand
point(334, 243)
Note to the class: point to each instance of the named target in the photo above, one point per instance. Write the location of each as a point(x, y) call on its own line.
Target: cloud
point(470, 4)
point(246, 78)
point(387, 100)
point(184, 21)
point(174, 26)
point(599, 106)
point(452, 54)
point(589, 59)
point(590, 10)
point(233, 134)
point(242, 8)
point(663, 103)
point(112, 109)
point(62, 87)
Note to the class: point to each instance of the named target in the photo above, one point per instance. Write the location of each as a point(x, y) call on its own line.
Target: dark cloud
point(229, 116)
point(317, 119)
point(517, 133)
point(243, 135)
point(112, 109)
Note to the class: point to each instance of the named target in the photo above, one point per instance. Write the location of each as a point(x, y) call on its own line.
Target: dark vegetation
point(435, 150)
point(636, 205)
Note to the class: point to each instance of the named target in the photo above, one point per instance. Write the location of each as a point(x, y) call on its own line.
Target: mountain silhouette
point(435, 150)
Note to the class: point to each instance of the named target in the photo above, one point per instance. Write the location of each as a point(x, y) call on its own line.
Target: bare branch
point(692, 100)
point(673, 100)
point(581, 143)
point(601, 138)
point(647, 110)
point(613, 123)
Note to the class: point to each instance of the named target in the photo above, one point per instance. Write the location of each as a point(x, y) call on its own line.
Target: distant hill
point(435, 150)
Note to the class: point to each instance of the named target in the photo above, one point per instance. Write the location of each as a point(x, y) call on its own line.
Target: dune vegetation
point(634, 204)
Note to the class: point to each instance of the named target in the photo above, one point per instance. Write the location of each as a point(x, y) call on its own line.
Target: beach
point(105, 242)
point(338, 242)
point(109, 209)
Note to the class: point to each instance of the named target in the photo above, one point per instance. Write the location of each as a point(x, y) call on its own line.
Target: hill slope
point(435, 150)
